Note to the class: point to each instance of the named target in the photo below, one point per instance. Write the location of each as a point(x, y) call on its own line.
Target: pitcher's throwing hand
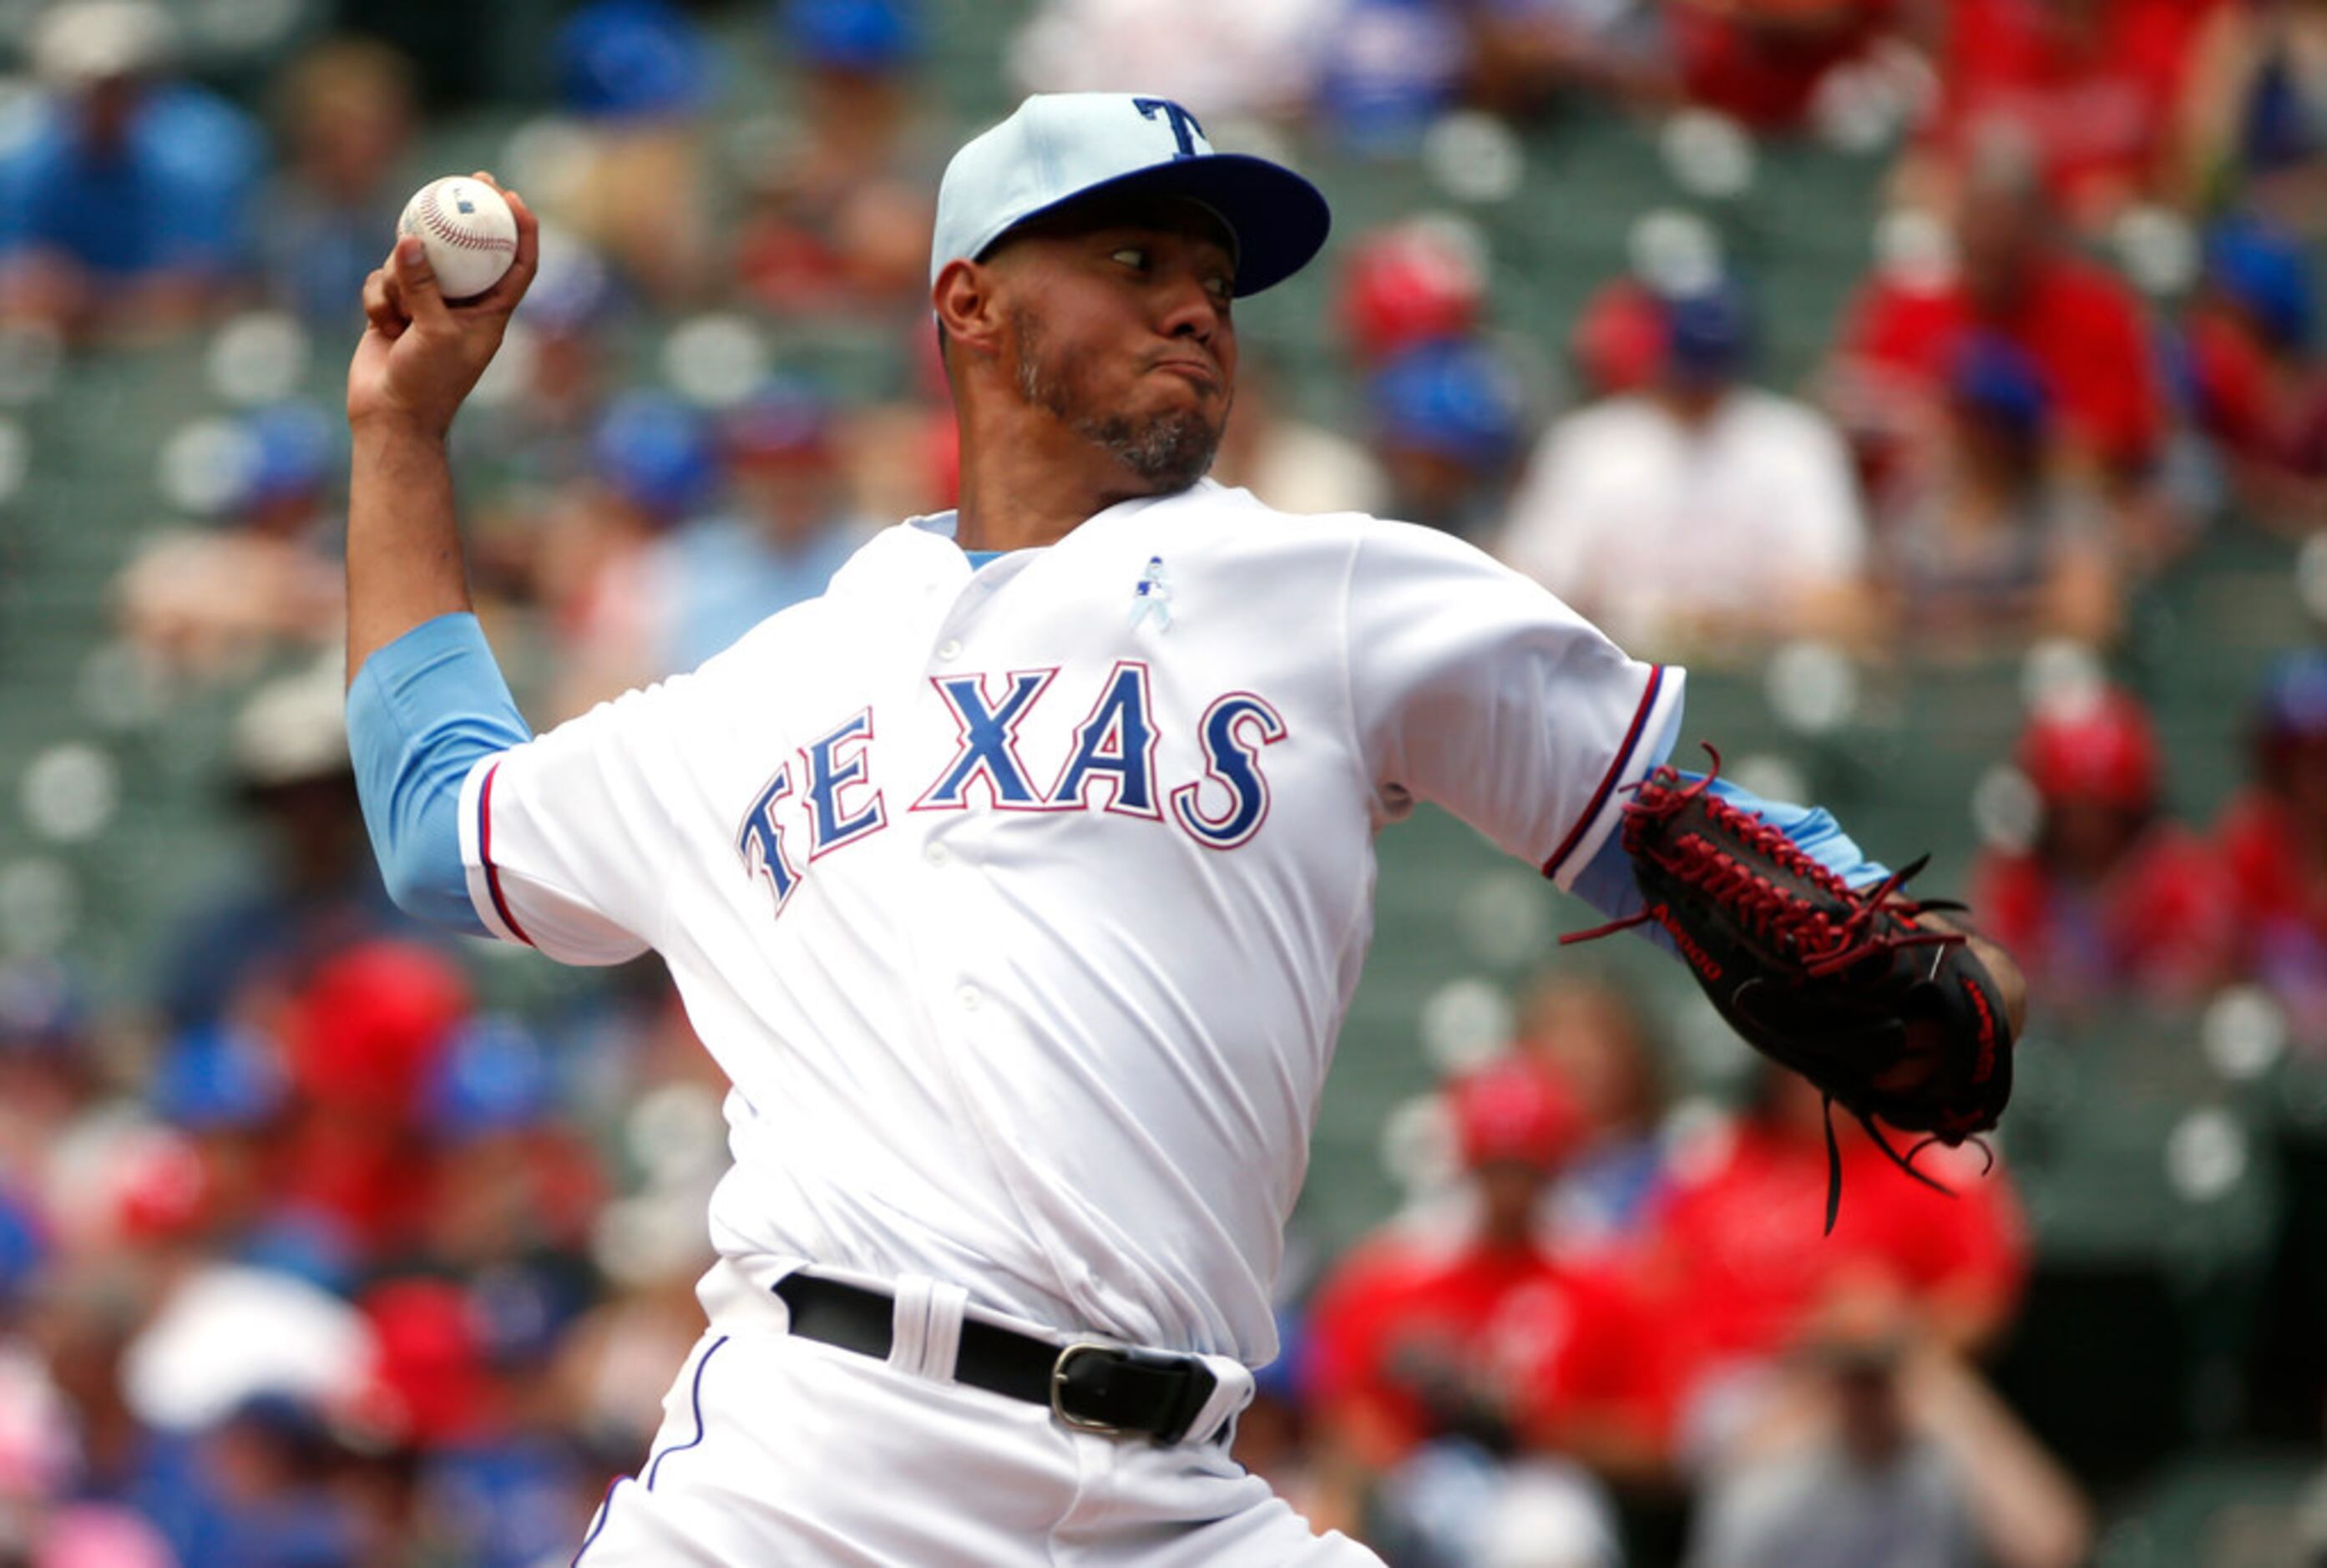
point(420, 353)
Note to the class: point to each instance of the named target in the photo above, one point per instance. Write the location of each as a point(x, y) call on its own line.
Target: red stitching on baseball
point(433, 217)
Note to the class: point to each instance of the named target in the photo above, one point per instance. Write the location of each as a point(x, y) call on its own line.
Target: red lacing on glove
point(1777, 915)
point(1781, 916)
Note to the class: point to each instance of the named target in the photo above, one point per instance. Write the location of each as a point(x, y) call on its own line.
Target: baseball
point(470, 232)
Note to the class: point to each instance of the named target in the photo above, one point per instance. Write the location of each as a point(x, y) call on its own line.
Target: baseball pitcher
point(1020, 882)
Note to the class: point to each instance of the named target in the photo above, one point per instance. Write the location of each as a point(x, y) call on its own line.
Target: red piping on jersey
point(1607, 784)
point(485, 854)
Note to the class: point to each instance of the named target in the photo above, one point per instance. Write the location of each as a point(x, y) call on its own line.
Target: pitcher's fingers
point(504, 295)
point(381, 308)
point(416, 285)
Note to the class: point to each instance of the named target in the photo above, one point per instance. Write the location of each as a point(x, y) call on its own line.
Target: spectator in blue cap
point(2267, 276)
point(515, 1187)
point(492, 1077)
point(1446, 418)
point(1996, 382)
point(124, 207)
point(635, 76)
point(869, 37)
point(213, 602)
point(2255, 376)
point(842, 215)
point(223, 1085)
point(291, 455)
point(1386, 70)
point(787, 526)
point(491, 1090)
point(1756, 491)
point(629, 60)
point(655, 455)
point(1983, 536)
point(654, 465)
point(1390, 68)
point(217, 1076)
point(254, 1488)
point(1708, 341)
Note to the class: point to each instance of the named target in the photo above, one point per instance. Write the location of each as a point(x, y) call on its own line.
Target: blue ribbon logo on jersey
point(1152, 597)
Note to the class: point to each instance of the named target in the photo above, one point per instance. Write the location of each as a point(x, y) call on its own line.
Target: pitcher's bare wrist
point(404, 556)
point(390, 427)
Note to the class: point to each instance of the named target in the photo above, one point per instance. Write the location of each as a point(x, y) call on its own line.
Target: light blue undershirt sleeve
point(1813, 829)
point(421, 714)
point(1607, 883)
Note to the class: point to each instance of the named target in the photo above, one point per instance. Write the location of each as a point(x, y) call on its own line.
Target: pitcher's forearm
point(405, 564)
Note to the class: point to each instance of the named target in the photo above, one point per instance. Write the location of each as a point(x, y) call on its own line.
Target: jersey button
point(969, 997)
point(937, 854)
point(951, 649)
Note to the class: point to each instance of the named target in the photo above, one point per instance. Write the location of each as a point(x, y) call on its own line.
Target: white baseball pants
point(782, 1450)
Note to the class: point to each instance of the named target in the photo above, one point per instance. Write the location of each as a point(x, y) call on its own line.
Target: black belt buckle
point(1187, 1389)
point(1067, 1355)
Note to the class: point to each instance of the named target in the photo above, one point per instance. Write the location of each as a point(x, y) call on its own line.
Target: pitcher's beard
point(1170, 452)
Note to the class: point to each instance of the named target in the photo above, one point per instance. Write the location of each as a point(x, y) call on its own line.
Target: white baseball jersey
point(1758, 499)
point(1021, 905)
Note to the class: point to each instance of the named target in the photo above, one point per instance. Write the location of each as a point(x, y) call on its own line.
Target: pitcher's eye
point(1134, 257)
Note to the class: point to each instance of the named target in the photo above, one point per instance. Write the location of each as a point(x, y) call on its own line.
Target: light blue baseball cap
point(1061, 147)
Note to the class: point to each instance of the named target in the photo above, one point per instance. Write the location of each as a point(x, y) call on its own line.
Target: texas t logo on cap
point(1060, 147)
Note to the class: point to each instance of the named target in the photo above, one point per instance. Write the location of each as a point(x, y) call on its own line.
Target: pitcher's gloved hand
point(1877, 999)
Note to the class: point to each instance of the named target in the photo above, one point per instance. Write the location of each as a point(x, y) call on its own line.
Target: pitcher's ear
point(968, 308)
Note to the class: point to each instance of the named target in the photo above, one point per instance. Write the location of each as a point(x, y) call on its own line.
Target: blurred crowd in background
point(316, 1249)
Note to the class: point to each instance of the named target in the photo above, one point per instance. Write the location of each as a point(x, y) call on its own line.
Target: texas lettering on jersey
point(826, 791)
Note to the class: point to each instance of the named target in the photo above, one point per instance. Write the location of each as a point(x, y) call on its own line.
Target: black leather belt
point(1112, 1390)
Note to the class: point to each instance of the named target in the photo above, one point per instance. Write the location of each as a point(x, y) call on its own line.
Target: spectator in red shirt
point(2010, 277)
point(2255, 381)
point(1743, 1265)
point(2114, 898)
point(1482, 1331)
point(1761, 61)
point(2273, 841)
point(361, 1041)
point(2091, 84)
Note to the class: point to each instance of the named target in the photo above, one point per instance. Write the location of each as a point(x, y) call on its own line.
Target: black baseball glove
point(1859, 991)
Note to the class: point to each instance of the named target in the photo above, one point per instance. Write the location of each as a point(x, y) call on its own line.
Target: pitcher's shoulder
point(1234, 521)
